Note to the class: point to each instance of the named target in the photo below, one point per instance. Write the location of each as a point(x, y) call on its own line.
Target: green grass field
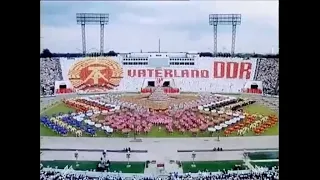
point(136, 167)
point(264, 155)
point(263, 110)
point(57, 108)
point(265, 164)
point(156, 132)
point(212, 166)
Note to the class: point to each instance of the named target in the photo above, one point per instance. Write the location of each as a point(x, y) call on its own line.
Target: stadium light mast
point(224, 19)
point(92, 19)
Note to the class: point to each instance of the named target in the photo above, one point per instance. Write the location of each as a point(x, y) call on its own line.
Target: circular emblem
point(95, 74)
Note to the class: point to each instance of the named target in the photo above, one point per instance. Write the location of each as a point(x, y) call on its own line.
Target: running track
point(160, 149)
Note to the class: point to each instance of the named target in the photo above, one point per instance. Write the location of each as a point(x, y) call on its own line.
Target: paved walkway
point(160, 149)
point(160, 144)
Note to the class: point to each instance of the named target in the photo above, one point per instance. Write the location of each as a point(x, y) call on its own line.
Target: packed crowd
point(50, 71)
point(271, 174)
point(268, 72)
point(52, 175)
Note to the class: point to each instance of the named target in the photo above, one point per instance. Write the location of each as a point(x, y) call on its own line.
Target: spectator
point(257, 173)
point(50, 71)
point(267, 71)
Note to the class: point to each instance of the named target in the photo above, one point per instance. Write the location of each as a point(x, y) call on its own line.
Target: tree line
point(47, 54)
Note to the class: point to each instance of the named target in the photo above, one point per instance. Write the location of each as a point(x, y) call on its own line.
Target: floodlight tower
point(224, 19)
point(92, 19)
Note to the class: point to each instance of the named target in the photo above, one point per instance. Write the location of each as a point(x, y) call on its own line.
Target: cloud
point(181, 26)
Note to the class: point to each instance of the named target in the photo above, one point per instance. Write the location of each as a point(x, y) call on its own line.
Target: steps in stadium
point(158, 95)
point(168, 167)
point(248, 164)
point(152, 170)
point(172, 167)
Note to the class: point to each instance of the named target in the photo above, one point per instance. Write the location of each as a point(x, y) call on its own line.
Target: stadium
point(159, 115)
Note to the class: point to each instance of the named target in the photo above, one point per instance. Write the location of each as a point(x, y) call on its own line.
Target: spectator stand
point(267, 71)
point(50, 71)
point(256, 173)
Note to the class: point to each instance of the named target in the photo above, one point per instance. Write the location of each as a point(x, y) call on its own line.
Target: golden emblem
point(94, 73)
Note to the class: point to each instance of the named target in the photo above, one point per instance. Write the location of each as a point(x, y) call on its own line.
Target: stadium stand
point(257, 173)
point(268, 72)
point(50, 71)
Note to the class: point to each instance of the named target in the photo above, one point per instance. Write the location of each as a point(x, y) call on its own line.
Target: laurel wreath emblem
point(80, 69)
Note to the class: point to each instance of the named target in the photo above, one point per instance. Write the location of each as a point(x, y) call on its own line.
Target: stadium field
point(57, 108)
point(265, 164)
point(158, 131)
point(263, 155)
point(136, 167)
point(263, 110)
point(212, 166)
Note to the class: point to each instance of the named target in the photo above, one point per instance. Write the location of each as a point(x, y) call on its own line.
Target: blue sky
point(181, 26)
